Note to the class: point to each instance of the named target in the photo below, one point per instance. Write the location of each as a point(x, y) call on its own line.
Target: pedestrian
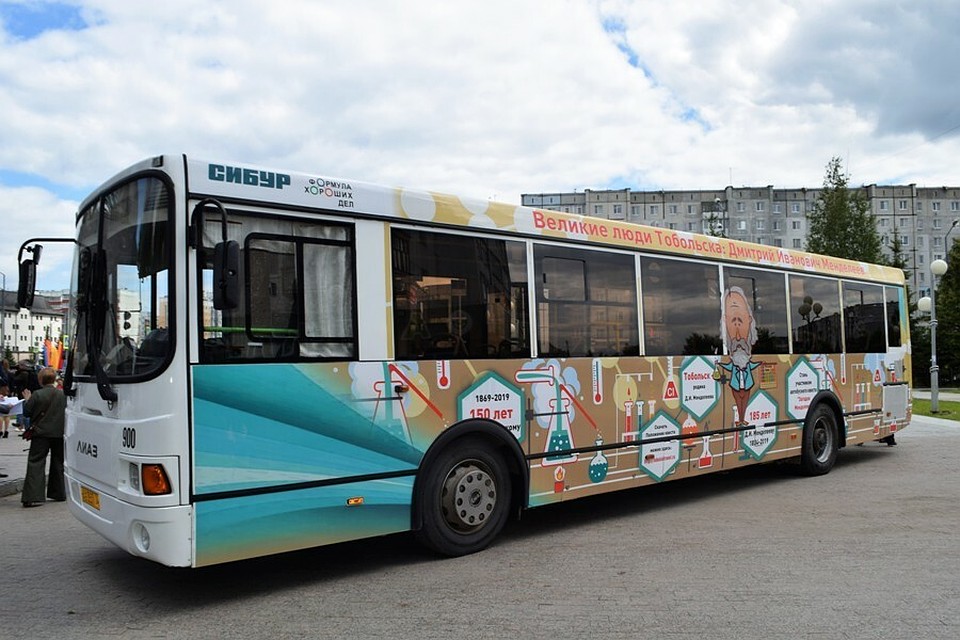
point(45, 408)
point(25, 377)
point(23, 382)
point(6, 376)
point(4, 411)
point(5, 408)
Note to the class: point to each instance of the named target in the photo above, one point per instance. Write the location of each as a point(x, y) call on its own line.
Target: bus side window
point(681, 307)
point(458, 296)
point(297, 297)
point(893, 316)
point(766, 293)
point(815, 311)
point(586, 302)
point(863, 318)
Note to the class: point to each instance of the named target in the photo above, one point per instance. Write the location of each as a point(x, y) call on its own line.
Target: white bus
point(262, 361)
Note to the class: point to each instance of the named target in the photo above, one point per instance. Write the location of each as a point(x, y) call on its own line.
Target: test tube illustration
point(628, 431)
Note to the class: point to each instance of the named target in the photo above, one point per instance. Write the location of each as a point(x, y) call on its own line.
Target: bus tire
point(465, 498)
point(821, 441)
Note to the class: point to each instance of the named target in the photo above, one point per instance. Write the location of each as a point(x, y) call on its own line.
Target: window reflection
point(864, 318)
point(586, 302)
point(815, 312)
point(458, 296)
point(681, 307)
point(893, 315)
point(766, 293)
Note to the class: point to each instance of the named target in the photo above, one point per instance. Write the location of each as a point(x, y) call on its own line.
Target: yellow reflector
point(155, 482)
point(355, 502)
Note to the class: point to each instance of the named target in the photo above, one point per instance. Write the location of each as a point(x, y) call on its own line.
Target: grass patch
point(949, 409)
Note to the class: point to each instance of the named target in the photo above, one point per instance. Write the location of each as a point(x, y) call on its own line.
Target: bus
point(262, 361)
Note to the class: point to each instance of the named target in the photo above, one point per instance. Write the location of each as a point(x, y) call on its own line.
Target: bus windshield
point(120, 283)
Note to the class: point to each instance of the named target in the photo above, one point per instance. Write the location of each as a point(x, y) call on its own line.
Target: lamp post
point(929, 303)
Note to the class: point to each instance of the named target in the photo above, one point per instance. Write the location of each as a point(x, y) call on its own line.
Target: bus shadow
point(208, 586)
point(688, 492)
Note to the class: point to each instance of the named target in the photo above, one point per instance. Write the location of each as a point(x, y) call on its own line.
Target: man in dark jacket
point(45, 408)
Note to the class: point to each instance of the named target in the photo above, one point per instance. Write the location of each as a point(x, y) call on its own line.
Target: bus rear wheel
point(464, 500)
point(820, 442)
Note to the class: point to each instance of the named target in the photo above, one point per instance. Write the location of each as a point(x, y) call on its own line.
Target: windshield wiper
point(96, 285)
point(90, 305)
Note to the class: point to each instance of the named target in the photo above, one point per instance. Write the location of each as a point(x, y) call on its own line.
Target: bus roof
point(319, 191)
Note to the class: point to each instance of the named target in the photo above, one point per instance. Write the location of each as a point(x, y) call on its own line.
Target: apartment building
point(922, 217)
point(24, 330)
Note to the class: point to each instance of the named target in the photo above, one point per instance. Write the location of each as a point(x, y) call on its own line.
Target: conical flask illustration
point(559, 435)
point(598, 465)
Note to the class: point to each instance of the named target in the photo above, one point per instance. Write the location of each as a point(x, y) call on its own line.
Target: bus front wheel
point(465, 499)
point(820, 441)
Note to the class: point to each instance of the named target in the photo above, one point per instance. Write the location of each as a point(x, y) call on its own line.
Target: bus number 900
point(129, 438)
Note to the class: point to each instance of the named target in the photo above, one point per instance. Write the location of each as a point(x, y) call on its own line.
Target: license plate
point(90, 497)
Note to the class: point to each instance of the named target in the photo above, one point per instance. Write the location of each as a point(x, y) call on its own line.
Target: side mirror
point(226, 256)
point(226, 272)
point(27, 284)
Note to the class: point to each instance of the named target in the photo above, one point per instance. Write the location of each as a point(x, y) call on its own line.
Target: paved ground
point(13, 462)
point(866, 552)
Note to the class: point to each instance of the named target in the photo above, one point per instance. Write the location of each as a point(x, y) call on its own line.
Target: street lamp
point(925, 304)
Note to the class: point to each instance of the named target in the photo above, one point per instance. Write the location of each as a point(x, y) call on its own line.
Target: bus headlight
point(134, 473)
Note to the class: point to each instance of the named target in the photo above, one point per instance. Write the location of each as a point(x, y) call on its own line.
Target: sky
point(485, 99)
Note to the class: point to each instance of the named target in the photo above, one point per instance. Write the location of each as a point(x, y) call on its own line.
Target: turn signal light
point(155, 481)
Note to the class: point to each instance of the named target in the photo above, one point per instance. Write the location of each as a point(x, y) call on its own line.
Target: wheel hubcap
point(822, 441)
point(468, 497)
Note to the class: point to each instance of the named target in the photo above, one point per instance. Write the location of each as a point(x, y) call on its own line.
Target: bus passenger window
point(271, 280)
point(681, 307)
point(458, 296)
point(766, 293)
point(893, 315)
point(863, 318)
point(586, 303)
point(297, 299)
point(815, 312)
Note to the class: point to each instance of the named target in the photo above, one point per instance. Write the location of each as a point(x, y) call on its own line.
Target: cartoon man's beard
point(739, 351)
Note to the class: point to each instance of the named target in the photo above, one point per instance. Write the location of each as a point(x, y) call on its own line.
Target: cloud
point(893, 62)
point(31, 212)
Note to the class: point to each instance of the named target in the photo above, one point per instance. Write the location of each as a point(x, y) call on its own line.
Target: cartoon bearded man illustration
point(739, 331)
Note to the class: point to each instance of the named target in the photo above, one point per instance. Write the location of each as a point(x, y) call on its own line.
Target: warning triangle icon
point(670, 391)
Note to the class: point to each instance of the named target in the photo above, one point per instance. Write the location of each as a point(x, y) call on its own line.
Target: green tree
point(841, 224)
point(948, 320)
point(897, 258)
point(919, 330)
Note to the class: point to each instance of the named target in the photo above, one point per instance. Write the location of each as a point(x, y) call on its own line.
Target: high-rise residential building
point(922, 217)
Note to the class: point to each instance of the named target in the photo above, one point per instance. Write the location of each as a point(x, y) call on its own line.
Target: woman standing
point(45, 408)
